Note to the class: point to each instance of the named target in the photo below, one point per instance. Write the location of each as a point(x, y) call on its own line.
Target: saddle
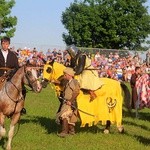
point(4, 78)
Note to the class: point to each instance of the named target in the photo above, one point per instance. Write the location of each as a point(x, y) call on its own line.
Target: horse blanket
point(143, 91)
point(107, 105)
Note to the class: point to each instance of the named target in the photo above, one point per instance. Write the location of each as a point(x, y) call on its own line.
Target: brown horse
point(12, 100)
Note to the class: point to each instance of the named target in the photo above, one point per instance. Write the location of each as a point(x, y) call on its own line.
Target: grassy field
point(38, 131)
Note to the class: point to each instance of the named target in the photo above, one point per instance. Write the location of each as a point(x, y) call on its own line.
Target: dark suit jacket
point(11, 62)
point(134, 90)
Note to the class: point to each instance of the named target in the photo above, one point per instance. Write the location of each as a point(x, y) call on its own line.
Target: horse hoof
point(106, 131)
point(121, 129)
point(8, 148)
point(2, 133)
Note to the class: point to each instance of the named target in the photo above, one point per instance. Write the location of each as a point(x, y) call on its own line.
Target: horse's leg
point(14, 121)
point(120, 129)
point(2, 129)
point(107, 128)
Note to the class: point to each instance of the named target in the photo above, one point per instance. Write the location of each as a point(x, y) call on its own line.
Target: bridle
point(28, 78)
point(27, 75)
point(21, 97)
point(15, 101)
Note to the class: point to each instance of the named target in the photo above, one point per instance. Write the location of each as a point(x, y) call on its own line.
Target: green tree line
point(115, 24)
point(110, 24)
point(7, 22)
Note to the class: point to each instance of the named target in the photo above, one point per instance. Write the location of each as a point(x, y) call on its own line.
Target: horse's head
point(31, 79)
point(52, 71)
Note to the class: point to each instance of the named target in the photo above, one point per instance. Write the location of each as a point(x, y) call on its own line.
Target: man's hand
point(55, 81)
point(68, 103)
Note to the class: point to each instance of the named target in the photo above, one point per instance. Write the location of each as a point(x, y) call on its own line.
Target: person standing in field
point(133, 80)
point(67, 116)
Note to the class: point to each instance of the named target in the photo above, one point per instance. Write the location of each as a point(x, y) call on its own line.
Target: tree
point(112, 24)
point(7, 22)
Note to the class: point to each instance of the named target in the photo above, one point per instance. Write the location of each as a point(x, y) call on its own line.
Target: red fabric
point(143, 91)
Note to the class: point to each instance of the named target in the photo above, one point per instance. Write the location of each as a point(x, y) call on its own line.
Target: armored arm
point(80, 65)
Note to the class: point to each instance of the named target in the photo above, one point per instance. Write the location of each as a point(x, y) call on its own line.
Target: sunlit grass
point(38, 130)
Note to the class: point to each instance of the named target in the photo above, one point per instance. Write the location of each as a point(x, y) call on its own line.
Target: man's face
point(139, 71)
point(67, 76)
point(5, 45)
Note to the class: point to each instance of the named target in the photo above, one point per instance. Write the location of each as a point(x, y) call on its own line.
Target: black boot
point(71, 129)
point(64, 131)
point(107, 128)
point(23, 111)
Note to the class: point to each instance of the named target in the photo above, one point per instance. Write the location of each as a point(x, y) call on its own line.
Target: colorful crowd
point(112, 66)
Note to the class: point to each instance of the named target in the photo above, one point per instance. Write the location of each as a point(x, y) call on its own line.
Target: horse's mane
point(22, 68)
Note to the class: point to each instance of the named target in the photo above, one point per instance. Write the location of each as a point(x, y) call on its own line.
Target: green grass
point(38, 130)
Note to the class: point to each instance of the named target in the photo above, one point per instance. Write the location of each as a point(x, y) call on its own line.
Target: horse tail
point(127, 95)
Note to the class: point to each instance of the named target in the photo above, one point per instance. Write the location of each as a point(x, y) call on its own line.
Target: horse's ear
point(52, 62)
point(28, 63)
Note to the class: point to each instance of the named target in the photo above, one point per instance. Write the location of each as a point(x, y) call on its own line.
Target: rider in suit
point(87, 75)
point(9, 63)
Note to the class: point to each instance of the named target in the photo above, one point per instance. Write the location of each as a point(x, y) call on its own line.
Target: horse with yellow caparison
point(105, 108)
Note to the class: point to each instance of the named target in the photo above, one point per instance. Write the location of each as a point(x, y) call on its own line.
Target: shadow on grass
point(145, 141)
point(142, 115)
point(136, 125)
point(2, 143)
point(51, 126)
point(93, 129)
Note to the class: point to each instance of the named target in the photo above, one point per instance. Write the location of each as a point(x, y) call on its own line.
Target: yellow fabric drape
point(111, 90)
point(110, 94)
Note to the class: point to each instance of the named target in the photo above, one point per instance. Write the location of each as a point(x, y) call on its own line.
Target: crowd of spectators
point(112, 65)
point(119, 68)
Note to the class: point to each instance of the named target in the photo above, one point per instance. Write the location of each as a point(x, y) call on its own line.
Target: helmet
point(72, 50)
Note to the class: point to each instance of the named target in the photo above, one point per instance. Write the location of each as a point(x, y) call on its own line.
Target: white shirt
point(5, 53)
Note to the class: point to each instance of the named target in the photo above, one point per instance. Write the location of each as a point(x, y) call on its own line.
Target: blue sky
point(39, 23)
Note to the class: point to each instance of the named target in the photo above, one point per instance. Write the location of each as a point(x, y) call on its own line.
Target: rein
point(78, 108)
point(16, 102)
point(5, 68)
point(53, 72)
point(17, 90)
point(27, 76)
point(32, 83)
